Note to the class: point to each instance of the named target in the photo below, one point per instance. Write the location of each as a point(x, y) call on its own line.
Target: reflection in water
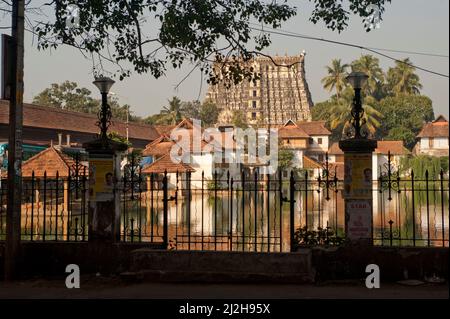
point(246, 221)
point(260, 221)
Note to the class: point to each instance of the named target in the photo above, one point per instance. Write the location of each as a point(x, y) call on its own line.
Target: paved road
point(115, 288)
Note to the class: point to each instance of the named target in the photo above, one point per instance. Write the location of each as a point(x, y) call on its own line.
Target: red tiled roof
point(53, 118)
point(394, 147)
point(335, 149)
point(314, 128)
point(159, 147)
point(164, 129)
point(308, 162)
point(291, 130)
point(165, 164)
point(50, 161)
point(437, 128)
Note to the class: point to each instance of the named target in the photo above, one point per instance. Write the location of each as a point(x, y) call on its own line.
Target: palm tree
point(173, 111)
point(335, 79)
point(402, 78)
point(370, 65)
point(340, 115)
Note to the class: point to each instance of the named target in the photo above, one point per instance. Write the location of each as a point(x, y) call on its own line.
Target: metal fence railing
point(248, 212)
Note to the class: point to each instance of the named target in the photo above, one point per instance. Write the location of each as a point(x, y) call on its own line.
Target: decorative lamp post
point(104, 84)
point(104, 172)
point(358, 174)
point(357, 80)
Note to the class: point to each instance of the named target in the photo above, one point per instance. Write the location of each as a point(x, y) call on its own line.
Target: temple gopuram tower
point(280, 94)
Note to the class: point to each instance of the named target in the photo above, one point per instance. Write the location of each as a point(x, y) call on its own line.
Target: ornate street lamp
point(104, 84)
point(357, 80)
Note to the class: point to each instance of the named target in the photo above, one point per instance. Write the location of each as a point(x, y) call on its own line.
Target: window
point(254, 103)
point(254, 93)
point(285, 174)
point(319, 140)
point(311, 140)
point(254, 115)
point(320, 157)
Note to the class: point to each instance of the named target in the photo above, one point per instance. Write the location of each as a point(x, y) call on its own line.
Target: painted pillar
point(358, 188)
point(104, 190)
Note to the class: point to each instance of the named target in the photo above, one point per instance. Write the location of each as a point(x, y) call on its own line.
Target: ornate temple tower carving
point(281, 93)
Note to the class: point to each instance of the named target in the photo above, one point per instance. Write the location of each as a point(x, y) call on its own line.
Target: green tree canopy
point(404, 116)
point(68, 96)
point(149, 36)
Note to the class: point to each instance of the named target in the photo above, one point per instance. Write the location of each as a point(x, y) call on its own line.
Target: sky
point(408, 25)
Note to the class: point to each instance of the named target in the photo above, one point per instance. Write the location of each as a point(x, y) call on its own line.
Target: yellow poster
point(358, 176)
point(101, 177)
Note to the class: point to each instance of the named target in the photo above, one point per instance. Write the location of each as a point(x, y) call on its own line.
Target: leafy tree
point(157, 119)
point(68, 96)
point(404, 116)
point(402, 79)
point(422, 163)
point(150, 35)
point(370, 65)
point(285, 158)
point(239, 119)
point(191, 109)
point(404, 134)
point(335, 80)
point(209, 113)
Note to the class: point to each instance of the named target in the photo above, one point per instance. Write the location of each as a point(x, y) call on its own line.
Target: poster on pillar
point(358, 176)
point(101, 179)
point(359, 219)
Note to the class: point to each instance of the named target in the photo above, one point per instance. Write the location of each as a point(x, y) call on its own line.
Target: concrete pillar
point(358, 188)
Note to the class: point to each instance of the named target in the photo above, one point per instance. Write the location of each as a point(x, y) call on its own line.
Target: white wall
point(325, 144)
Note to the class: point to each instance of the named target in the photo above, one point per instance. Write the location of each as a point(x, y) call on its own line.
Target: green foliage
point(393, 108)
point(239, 119)
point(402, 79)
point(336, 113)
point(68, 96)
point(118, 138)
point(321, 236)
point(150, 36)
point(404, 117)
point(285, 158)
point(404, 134)
point(422, 163)
point(172, 114)
point(335, 79)
point(370, 65)
point(209, 113)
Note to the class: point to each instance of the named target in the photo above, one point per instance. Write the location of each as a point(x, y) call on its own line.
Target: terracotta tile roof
point(164, 129)
point(308, 162)
point(314, 128)
point(53, 118)
point(335, 149)
point(159, 147)
point(395, 147)
point(164, 164)
point(49, 160)
point(291, 130)
point(437, 128)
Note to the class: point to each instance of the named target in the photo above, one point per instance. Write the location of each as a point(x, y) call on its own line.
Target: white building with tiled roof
point(433, 138)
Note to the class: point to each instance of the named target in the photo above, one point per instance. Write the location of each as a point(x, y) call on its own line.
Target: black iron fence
point(244, 212)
